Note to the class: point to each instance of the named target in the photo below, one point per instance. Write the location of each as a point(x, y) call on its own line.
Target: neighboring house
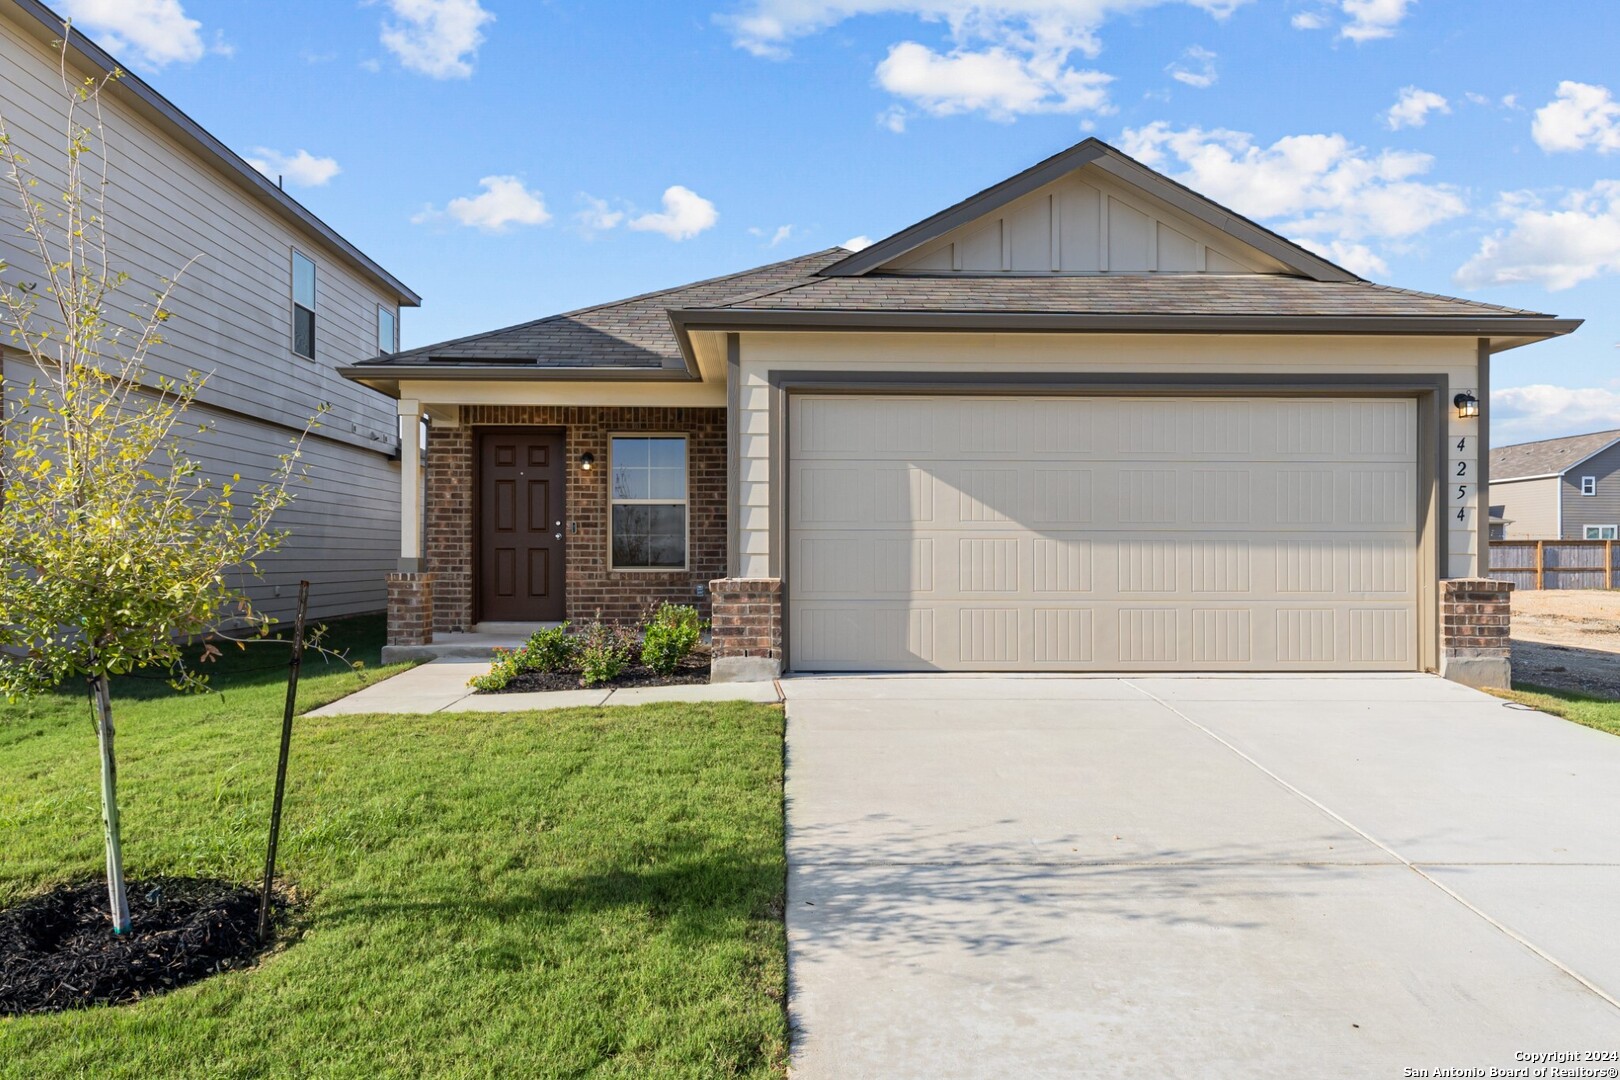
point(275, 302)
point(1559, 489)
point(1084, 420)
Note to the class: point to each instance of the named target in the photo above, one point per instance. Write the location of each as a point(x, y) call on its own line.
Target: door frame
point(475, 562)
point(1430, 390)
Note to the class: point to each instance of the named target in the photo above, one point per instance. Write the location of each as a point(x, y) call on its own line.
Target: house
point(1083, 420)
point(1558, 489)
point(275, 303)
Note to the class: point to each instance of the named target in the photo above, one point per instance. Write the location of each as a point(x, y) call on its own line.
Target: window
point(303, 297)
point(1603, 532)
point(387, 331)
point(1588, 485)
point(648, 478)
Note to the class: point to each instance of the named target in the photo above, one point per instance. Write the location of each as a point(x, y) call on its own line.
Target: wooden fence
point(1556, 564)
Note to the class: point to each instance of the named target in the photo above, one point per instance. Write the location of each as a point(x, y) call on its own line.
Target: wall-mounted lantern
point(1467, 405)
point(586, 460)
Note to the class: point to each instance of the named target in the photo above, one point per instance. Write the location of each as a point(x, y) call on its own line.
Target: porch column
point(410, 485)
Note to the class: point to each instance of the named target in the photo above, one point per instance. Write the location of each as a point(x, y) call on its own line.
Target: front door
point(520, 565)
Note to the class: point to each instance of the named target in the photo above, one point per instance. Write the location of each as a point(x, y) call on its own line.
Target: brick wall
point(410, 609)
point(747, 629)
point(1476, 624)
point(591, 587)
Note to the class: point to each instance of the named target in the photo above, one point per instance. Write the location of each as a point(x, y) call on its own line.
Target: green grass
point(590, 892)
point(1600, 713)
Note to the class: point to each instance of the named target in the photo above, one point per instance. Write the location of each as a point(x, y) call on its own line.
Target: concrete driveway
point(1210, 877)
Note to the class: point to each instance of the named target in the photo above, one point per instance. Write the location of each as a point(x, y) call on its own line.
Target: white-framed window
point(1588, 485)
point(647, 491)
point(1603, 532)
point(387, 330)
point(303, 305)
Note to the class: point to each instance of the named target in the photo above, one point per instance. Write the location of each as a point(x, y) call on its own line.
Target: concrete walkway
point(441, 686)
point(1209, 877)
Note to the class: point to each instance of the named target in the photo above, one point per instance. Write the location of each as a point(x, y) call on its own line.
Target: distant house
point(1558, 489)
point(275, 303)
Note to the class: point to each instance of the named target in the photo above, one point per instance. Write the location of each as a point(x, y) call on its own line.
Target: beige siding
point(1530, 507)
point(1147, 356)
point(1085, 223)
point(232, 321)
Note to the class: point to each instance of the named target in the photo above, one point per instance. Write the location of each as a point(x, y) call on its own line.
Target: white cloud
point(438, 38)
point(1308, 20)
point(1319, 187)
point(503, 203)
point(778, 236)
point(685, 214)
point(994, 81)
point(1476, 99)
point(1543, 411)
point(1413, 107)
point(1557, 248)
point(301, 169)
point(1372, 19)
point(1581, 117)
point(857, 243)
point(1196, 68)
point(1005, 58)
point(893, 118)
point(152, 32)
point(1356, 258)
point(598, 216)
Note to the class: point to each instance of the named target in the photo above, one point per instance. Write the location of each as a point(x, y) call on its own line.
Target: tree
point(116, 551)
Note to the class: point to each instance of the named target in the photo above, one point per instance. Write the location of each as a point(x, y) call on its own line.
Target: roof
point(1094, 152)
point(160, 109)
point(633, 334)
point(1548, 457)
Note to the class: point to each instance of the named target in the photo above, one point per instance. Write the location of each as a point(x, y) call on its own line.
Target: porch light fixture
point(586, 460)
point(1467, 405)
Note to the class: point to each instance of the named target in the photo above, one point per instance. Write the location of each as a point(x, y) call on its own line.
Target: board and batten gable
point(1602, 508)
point(168, 206)
point(1084, 223)
point(1145, 359)
point(1529, 507)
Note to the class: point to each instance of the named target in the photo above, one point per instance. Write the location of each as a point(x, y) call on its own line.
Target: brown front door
point(520, 491)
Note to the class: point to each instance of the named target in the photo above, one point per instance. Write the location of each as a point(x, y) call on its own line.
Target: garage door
point(962, 533)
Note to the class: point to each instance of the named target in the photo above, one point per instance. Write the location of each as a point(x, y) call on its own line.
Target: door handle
point(556, 536)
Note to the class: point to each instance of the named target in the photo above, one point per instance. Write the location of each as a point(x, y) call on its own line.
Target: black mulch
point(58, 951)
point(693, 669)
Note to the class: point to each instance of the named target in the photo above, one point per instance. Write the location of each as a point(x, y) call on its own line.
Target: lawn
point(1600, 713)
point(590, 892)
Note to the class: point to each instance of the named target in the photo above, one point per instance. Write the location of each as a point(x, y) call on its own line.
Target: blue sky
point(513, 158)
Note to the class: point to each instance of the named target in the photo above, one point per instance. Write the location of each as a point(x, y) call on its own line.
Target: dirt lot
point(1568, 639)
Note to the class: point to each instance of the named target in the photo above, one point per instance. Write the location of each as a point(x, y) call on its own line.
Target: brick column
point(747, 629)
point(410, 608)
point(1476, 621)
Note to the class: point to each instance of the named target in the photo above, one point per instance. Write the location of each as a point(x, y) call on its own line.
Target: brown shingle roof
point(1549, 456)
point(633, 333)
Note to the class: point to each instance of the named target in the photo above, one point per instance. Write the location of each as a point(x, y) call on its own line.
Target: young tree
point(115, 548)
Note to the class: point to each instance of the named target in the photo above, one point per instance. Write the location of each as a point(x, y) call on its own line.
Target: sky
point(509, 159)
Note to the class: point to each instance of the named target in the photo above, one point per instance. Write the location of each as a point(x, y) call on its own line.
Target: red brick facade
point(410, 609)
point(591, 586)
point(1476, 623)
point(747, 617)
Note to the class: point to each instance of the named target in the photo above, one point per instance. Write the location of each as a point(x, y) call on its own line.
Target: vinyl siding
point(167, 205)
point(1600, 509)
point(1530, 507)
point(763, 353)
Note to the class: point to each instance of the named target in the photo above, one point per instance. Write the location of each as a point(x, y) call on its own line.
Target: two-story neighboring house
point(1557, 489)
point(274, 304)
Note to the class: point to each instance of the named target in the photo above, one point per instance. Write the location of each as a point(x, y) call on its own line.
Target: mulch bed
point(58, 951)
point(693, 669)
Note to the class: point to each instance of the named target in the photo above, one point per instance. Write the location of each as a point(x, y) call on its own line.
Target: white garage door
point(962, 533)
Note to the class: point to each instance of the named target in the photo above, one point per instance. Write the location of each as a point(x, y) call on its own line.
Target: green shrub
point(604, 653)
point(671, 635)
point(550, 650)
point(502, 671)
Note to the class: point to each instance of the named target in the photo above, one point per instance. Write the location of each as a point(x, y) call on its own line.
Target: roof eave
point(387, 377)
point(156, 107)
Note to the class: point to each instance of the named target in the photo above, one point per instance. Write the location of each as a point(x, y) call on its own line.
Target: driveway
point(1213, 877)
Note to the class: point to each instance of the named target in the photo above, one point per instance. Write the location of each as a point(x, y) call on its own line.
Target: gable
point(1087, 222)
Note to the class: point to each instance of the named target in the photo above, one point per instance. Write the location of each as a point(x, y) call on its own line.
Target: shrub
point(671, 635)
point(503, 670)
point(550, 650)
point(604, 653)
